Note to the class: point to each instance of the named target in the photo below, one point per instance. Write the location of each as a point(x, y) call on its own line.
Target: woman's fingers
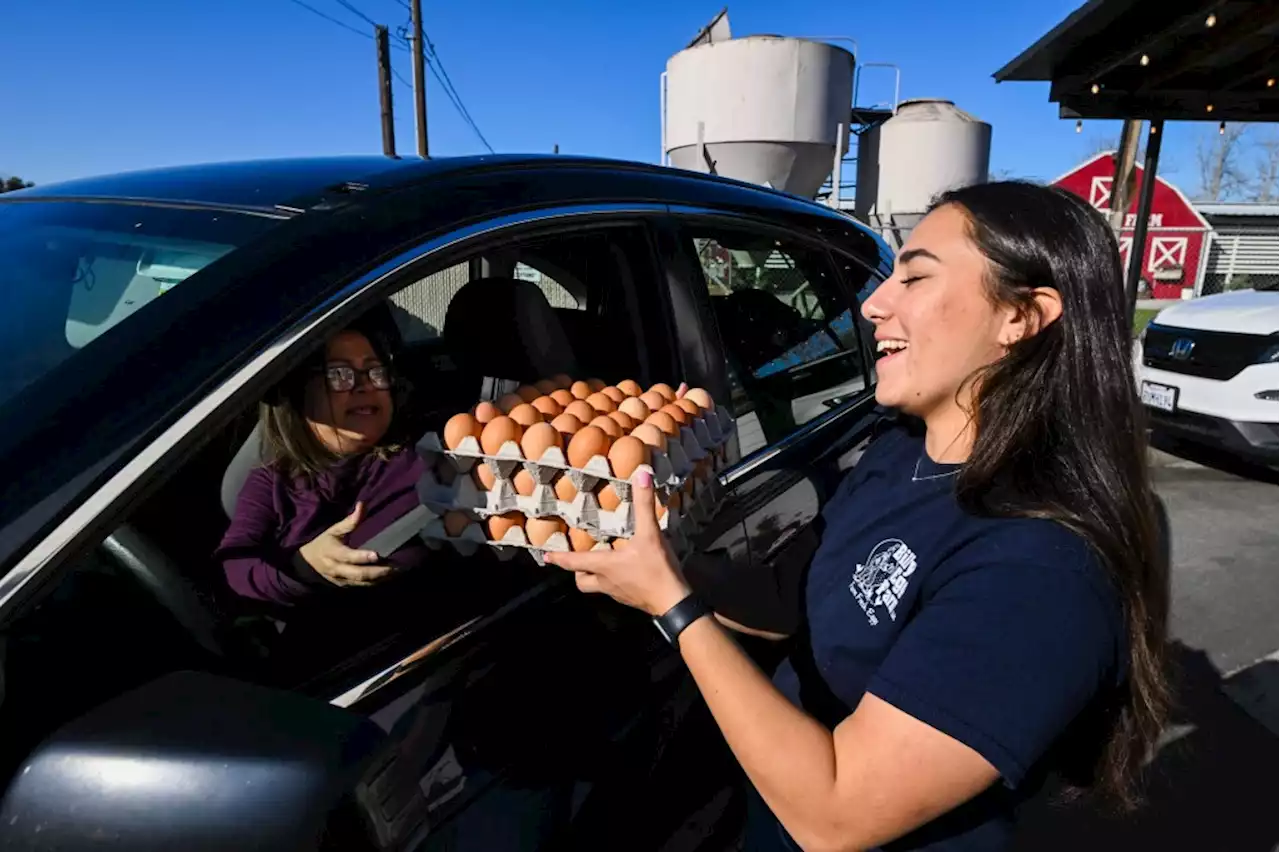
point(347, 525)
point(591, 562)
point(359, 575)
point(587, 582)
point(682, 390)
point(646, 510)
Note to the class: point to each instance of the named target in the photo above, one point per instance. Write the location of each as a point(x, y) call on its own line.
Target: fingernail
point(644, 479)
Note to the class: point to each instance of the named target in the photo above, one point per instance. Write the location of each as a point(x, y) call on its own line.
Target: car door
point(775, 307)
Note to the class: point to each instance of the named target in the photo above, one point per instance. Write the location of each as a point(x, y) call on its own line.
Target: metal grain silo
point(927, 147)
point(764, 109)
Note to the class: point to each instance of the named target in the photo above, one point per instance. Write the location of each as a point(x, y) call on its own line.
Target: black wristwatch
point(673, 622)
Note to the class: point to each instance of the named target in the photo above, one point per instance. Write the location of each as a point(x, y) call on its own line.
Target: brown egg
point(497, 432)
point(630, 387)
point(614, 394)
point(483, 477)
point(588, 443)
point(539, 438)
point(620, 543)
point(445, 471)
point(524, 483)
point(562, 380)
point(677, 413)
point(525, 414)
point(701, 398)
point(665, 422)
point(580, 390)
point(635, 408)
point(651, 435)
point(541, 529)
point(546, 387)
point(547, 406)
point(601, 403)
point(626, 455)
point(455, 523)
point(609, 426)
point(509, 401)
point(653, 400)
point(579, 409)
point(528, 393)
point(562, 397)
point(665, 389)
point(690, 407)
point(659, 508)
point(460, 427)
point(499, 525)
point(609, 500)
point(596, 385)
point(626, 421)
point(565, 489)
point(567, 425)
point(486, 411)
point(581, 540)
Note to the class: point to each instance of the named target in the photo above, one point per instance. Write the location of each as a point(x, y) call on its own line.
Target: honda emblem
point(1181, 349)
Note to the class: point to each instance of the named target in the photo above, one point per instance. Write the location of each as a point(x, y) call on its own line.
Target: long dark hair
point(288, 441)
point(1061, 433)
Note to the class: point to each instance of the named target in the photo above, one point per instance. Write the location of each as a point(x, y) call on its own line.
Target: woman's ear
point(1044, 310)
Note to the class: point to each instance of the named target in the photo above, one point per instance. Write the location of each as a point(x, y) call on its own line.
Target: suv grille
point(1207, 354)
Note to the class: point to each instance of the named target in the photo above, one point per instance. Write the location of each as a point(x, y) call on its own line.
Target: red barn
point(1177, 234)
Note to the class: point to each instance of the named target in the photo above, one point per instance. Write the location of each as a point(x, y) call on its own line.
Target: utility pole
point(419, 77)
point(384, 90)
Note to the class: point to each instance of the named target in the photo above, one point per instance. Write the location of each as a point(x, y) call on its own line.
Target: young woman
point(988, 601)
point(335, 480)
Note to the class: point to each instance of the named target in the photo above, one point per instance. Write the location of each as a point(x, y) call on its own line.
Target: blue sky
point(92, 87)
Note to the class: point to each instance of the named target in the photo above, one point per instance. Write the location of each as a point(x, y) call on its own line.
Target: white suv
point(1208, 372)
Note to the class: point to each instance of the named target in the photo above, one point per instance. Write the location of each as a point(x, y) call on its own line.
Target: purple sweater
point(276, 516)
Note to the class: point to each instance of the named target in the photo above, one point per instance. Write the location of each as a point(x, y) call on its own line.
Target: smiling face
point(935, 322)
point(353, 420)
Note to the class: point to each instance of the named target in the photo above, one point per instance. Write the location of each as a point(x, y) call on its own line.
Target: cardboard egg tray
point(671, 472)
point(515, 540)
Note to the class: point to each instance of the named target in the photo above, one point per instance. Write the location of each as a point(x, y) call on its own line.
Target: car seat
point(503, 332)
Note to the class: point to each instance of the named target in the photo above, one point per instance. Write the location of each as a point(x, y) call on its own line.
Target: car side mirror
point(194, 762)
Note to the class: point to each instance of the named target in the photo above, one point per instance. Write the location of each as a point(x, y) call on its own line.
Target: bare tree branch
point(1266, 189)
point(1222, 175)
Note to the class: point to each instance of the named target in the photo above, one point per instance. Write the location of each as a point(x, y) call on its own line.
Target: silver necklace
point(916, 477)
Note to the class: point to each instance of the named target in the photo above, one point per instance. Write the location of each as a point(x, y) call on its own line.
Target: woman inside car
point(336, 477)
point(988, 602)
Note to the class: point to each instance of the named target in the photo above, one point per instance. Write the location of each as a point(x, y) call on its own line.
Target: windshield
point(72, 271)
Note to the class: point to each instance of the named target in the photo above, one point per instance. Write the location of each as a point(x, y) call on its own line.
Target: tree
point(13, 182)
point(1222, 175)
point(1265, 189)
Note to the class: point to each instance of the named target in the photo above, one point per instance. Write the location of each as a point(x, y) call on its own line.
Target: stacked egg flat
point(561, 437)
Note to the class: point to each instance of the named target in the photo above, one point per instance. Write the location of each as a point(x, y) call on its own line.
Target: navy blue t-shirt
point(1004, 634)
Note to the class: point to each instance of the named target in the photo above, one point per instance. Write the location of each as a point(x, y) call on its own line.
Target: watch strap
point(673, 622)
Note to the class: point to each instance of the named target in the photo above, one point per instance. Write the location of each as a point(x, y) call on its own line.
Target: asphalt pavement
point(1213, 783)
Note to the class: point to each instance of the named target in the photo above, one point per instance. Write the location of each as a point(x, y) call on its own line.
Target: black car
point(144, 706)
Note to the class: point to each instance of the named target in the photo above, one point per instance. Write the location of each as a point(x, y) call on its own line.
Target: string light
point(1079, 125)
point(1271, 82)
point(1144, 61)
point(1208, 107)
point(1222, 127)
point(1095, 88)
point(1211, 20)
point(1154, 130)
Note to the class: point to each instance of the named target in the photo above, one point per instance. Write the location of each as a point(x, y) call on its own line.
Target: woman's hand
point(339, 564)
point(644, 573)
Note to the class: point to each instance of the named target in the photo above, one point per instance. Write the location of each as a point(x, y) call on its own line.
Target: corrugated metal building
point(1244, 247)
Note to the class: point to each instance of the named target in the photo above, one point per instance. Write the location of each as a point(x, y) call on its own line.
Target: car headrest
point(505, 328)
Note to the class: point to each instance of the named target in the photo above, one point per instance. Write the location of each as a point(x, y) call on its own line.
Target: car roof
point(290, 186)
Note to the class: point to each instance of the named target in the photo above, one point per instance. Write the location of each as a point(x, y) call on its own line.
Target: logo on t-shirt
point(882, 580)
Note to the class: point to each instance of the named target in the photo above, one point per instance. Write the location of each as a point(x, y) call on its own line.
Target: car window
point(790, 339)
point(72, 272)
point(421, 307)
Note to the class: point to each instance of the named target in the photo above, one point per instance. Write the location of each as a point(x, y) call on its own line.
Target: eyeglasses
point(341, 379)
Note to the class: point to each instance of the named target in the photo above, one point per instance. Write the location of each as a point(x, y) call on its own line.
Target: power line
point(313, 10)
point(433, 59)
point(353, 10)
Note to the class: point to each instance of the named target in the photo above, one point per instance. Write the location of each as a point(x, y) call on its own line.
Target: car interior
point(470, 331)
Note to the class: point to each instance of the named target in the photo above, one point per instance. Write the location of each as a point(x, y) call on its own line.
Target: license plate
point(1162, 397)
